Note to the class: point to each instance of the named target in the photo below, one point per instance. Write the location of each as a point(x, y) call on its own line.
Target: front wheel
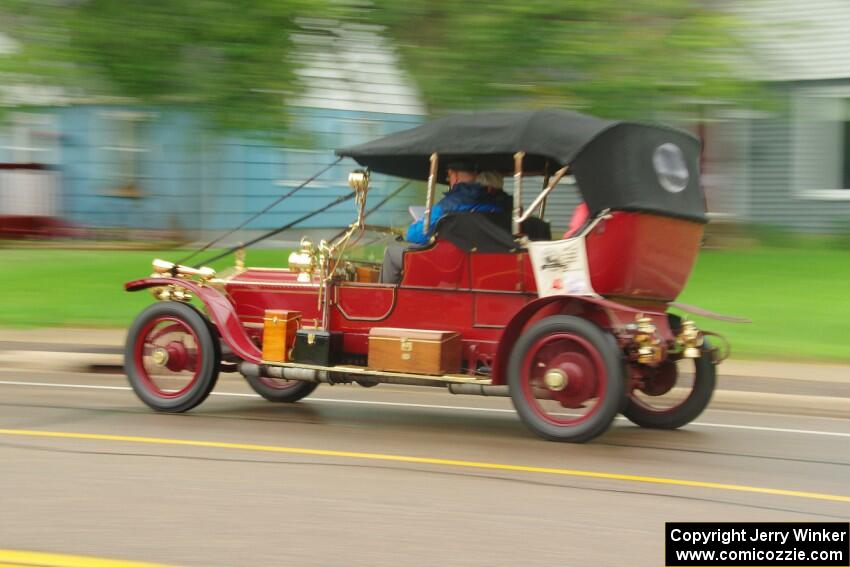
point(673, 395)
point(280, 390)
point(565, 376)
point(171, 357)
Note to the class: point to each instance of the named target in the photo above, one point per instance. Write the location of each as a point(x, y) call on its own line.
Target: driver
point(465, 194)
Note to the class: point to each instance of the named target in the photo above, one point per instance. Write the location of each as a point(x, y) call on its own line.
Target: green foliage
point(231, 59)
point(603, 56)
point(235, 58)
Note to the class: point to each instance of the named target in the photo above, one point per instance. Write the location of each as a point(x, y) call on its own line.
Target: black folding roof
point(490, 139)
point(615, 163)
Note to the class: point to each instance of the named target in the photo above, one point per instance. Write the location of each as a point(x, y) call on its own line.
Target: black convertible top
point(617, 164)
point(490, 139)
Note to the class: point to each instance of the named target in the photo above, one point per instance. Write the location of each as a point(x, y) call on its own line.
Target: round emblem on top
point(670, 167)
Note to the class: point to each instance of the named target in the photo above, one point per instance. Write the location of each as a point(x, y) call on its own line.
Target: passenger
point(580, 216)
point(465, 194)
point(493, 182)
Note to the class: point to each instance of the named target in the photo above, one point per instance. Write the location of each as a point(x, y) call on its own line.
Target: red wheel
point(566, 379)
point(674, 394)
point(171, 357)
point(280, 390)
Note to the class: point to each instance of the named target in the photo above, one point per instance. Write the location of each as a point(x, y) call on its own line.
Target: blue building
point(162, 168)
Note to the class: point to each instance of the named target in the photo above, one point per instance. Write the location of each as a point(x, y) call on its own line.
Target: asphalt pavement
point(779, 387)
point(390, 475)
point(384, 476)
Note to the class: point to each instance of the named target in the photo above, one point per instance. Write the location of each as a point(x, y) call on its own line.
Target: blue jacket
point(462, 198)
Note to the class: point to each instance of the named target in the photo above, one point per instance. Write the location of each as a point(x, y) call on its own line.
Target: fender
point(220, 310)
point(607, 314)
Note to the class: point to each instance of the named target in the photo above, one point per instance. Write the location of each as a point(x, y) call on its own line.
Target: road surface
point(383, 476)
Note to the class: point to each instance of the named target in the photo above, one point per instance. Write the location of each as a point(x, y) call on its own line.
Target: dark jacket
point(461, 198)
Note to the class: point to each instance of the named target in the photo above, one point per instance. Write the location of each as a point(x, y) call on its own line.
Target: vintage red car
point(574, 331)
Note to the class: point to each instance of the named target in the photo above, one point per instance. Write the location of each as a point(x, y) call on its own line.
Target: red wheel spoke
point(168, 357)
point(564, 378)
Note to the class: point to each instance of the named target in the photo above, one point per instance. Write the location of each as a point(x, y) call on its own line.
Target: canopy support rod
point(542, 196)
point(518, 158)
point(545, 185)
point(287, 226)
point(264, 211)
point(429, 199)
point(380, 204)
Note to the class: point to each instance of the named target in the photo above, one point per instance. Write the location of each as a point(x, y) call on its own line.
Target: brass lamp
point(303, 261)
point(166, 267)
point(649, 348)
point(690, 339)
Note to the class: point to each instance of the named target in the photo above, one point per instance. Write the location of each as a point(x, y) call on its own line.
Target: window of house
point(32, 137)
point(122, 151)
point(822, 144)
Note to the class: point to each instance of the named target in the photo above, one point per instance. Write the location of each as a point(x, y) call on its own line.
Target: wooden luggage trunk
point(415, 351)
point(279, 328)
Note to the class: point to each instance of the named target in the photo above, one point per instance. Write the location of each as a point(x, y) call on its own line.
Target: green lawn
point(798, 298)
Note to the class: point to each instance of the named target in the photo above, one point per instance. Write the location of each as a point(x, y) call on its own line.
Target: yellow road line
point(13, 558)
point(429, 461)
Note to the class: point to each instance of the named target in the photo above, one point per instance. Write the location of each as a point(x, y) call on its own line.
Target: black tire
point(705, 380)
point(206, 356)
point(289, 390)
point(599, 348)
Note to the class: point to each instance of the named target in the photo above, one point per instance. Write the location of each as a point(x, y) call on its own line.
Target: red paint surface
point(220, 310)
point(487, 298)
point(637, 255)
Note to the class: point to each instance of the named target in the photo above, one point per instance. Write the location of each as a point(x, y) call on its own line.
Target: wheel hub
point(176, 356)
point(660, 380)
point(569, 376)
point(555, 379)
point(160, 356)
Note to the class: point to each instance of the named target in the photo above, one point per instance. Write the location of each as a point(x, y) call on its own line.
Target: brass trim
point(542, 196)
point(517, 212)
point(429, 197)
point(170, 268)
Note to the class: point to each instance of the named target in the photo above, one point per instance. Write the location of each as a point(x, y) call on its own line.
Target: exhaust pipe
point(479, 390)
point(284, 373)
point(251, 370)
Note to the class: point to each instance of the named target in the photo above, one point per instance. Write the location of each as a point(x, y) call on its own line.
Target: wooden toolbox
point(279, 328)
point(415, 351)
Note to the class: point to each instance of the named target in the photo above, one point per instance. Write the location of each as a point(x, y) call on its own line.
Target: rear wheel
point(171, 357)
point(280, 390)
point(674, 394)
point(565, 376)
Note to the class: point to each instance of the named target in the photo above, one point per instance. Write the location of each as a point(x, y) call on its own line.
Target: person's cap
point(461, 165)
point(491, 179)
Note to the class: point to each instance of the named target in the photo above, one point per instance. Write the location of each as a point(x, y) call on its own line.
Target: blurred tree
point(230, 57)
point(607, 57)
point(234, 57)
